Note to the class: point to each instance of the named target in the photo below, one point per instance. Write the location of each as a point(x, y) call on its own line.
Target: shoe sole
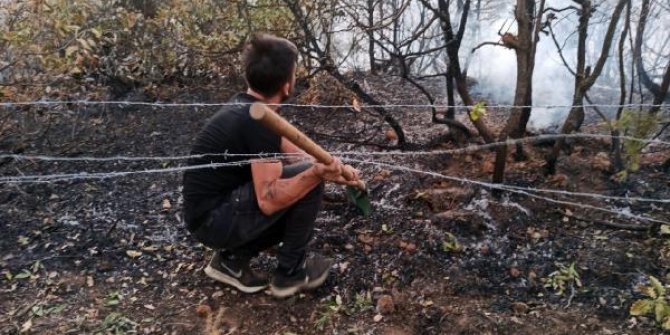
point(289, 291)
point(232, 281)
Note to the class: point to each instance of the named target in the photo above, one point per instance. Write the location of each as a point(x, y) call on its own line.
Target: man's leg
point(247, 232)
point(294, 227)
point(295, 272)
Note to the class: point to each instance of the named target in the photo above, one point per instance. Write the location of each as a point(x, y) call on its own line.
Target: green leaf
point(661, 310)
point(666, 324)
point(658, 287)
point(641, 307)
point(23, 275)
point(96, 32)
point(36, 266)
point(38, 311)
point(360, 199)
point(478, 111)
point(69, 51)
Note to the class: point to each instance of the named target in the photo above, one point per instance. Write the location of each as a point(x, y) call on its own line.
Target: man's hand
point(333, 173)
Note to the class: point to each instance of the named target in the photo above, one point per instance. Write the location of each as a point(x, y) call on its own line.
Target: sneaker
point(310, 275)
point(236, 273)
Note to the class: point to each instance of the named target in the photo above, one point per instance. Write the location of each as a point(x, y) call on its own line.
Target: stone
point(385, 305)
point(443, 199)
point(203, 310)
point(520, 308)
point(602, 162)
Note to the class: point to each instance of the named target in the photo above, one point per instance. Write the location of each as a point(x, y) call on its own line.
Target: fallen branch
point(614, 225)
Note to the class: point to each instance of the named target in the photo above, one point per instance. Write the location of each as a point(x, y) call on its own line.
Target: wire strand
point(314, 106)
point(515, 190)
point(469, 149)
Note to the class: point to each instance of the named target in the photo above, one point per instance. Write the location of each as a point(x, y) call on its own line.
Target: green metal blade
point(360, 199)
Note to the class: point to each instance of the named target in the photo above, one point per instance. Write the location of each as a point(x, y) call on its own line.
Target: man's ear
point(286, 89)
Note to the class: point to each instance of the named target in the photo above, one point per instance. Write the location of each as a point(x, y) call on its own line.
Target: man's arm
point(275, 194)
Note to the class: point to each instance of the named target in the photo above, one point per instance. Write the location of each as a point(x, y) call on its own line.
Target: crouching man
point(242, 210)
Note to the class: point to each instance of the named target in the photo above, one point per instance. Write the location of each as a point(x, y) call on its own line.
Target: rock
point(203, 310)
point(520, 308)
point(485, 250)
point(514, 272)
point(382, 175)
point(366, 239)
point(391, 135)
point(378, 318)
point(559, 180)
point(488, 167)
point(442, 199)
point(385, 305)
point(408, 246)
point(602, 162)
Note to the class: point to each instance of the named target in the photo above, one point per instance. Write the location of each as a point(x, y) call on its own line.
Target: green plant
point(451, 244)
point(117, 324)
point(332, 308)
point(656, 303)
point(362, 303)
point(563, 278)
point(113, 298)
point(638, 125)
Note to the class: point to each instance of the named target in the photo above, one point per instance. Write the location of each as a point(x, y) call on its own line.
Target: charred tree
point(453, 42)
point(645, 78)
point(326, 63)
point(585, 77)
point(529, 21)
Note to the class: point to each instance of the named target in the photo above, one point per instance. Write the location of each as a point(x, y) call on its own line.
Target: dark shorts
point(236, 221)
point(239, 220)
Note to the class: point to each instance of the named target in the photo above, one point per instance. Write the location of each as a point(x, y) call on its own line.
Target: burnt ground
point(112, 256)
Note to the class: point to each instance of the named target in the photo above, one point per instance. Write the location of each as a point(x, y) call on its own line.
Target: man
point(242, 210)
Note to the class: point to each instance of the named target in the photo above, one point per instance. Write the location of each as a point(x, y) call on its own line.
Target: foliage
point(563, 278)
point(49, 42)
point(635, 124)
point(362, 303)
point(656, 303)
point(117, 324)
point(478, 111)
point(451, 244)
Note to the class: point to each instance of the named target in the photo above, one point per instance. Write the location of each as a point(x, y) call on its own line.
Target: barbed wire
point(54, 178)
point(518, 190)
point(314, 106)
point(468, 149)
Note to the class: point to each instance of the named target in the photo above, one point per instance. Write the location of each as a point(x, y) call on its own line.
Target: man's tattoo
point(269, 190)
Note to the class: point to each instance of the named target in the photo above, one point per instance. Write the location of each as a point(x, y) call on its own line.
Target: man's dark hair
point(269, 62)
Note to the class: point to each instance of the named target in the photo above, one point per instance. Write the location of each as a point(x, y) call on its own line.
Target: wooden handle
point(266, 116)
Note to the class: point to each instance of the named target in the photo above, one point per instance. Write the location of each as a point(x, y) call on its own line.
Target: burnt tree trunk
point(453, 42)
point(451, 110)
point(327, 64)
point(584, 77)
point(371, 38)
point(616, 158)
point(525, 45)
point(645, 79)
